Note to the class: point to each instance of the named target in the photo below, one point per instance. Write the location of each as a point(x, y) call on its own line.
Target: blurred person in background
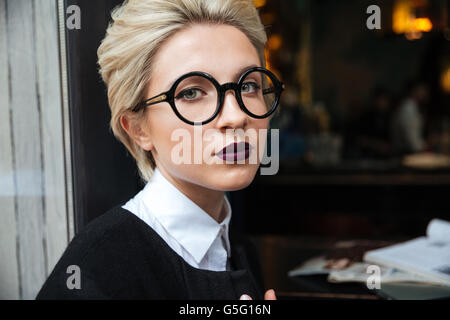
point(408, 122)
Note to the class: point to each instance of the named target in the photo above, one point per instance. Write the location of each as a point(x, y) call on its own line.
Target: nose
point(231, 116)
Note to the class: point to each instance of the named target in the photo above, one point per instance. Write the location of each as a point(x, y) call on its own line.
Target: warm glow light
point(445, 80)
point(405, 21)
point(259, 3)
point(274, 42)
point(269, 65)
point(402, 18)
point(423, 24)
point(267, 57)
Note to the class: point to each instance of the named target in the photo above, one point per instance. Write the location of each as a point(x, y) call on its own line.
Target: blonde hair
point(138, 29)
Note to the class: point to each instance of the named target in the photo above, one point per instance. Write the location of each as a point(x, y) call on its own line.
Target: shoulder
point(101, 252)
point(103, 228)
point(113, 236)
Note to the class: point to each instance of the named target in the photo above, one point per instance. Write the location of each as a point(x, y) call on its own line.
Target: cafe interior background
point(344, 173)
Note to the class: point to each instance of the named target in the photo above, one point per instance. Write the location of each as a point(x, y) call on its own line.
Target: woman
point(178, 68)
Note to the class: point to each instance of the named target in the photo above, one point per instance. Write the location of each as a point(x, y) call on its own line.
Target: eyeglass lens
point(196, 98)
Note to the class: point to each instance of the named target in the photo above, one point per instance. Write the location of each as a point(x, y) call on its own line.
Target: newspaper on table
point(355, 272)
point(425, 260)
point(427, 257)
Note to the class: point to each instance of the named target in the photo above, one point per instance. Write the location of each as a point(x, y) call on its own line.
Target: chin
point(232, 178)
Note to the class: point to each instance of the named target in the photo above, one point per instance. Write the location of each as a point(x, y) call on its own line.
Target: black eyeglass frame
point(169, 96)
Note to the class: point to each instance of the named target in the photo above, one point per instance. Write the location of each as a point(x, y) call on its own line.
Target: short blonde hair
point(138, 29)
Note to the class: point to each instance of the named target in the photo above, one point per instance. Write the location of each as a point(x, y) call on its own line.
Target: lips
point(235, 151)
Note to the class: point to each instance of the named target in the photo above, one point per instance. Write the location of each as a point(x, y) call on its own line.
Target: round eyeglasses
point(197, 98)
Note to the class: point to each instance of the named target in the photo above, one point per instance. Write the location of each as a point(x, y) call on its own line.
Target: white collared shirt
point(192, 233)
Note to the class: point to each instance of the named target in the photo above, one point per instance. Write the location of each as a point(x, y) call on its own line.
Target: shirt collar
point(184, 220)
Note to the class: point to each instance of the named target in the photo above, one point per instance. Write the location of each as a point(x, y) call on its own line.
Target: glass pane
point(196, 98)
point(258, 93)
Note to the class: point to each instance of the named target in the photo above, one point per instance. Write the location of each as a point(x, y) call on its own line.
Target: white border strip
point(66, 119)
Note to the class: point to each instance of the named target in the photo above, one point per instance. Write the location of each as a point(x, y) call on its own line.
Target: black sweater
point(121, 257)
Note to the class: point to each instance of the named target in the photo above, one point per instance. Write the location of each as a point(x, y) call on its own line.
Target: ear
point(136, 130)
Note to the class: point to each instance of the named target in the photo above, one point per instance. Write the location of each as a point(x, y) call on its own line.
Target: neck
point(211, 201)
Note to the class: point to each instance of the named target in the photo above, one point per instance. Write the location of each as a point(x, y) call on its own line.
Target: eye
point(250, 87)
point(189, 94)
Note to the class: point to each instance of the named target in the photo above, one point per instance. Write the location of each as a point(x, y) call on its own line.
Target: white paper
point(439, 230)
point(358, 273)
point(425, 256)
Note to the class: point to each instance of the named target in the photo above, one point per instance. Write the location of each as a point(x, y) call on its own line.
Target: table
point(279, 254)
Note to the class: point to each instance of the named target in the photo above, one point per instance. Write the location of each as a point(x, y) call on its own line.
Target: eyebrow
point(236, 75)
point(246, 68)
point(241, 71)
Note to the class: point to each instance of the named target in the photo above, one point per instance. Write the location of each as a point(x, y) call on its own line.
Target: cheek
point(261, 127)
point(163, 130)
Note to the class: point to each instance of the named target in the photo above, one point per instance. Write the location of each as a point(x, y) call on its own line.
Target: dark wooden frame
point(104, 174)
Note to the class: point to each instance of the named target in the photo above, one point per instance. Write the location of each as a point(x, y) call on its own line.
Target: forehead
point(219, 50)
